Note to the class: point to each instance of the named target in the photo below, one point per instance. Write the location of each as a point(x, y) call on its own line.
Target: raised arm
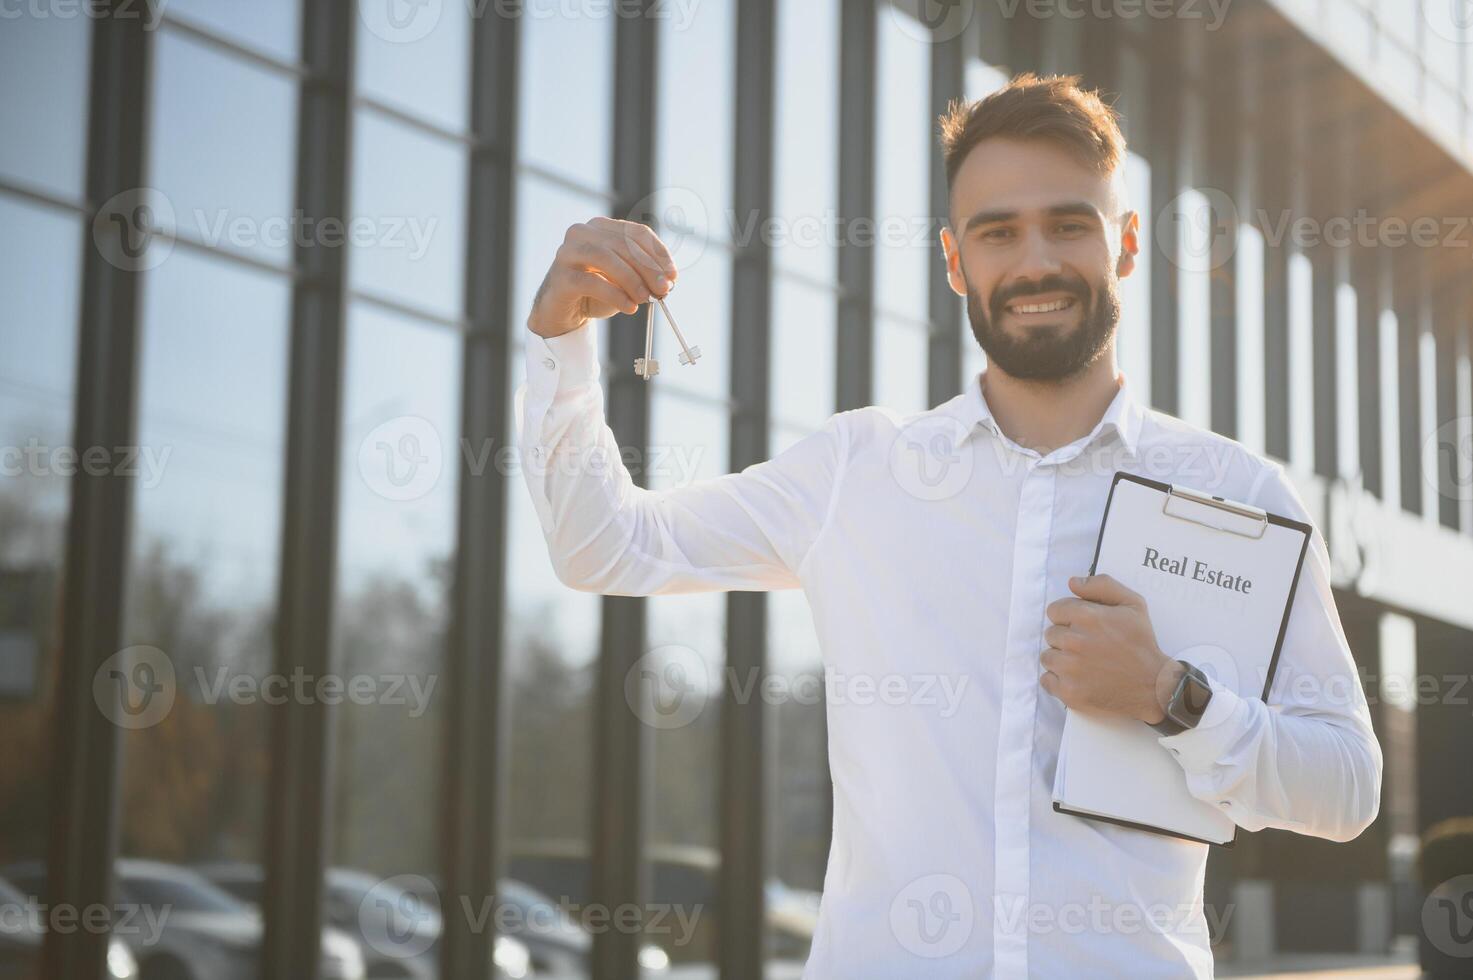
point(747, 530)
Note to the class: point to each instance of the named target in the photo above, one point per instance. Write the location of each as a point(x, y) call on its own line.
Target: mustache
point(1048, 284)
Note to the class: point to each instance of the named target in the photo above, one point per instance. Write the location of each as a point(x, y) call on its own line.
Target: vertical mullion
point(743, 801)
point(1165, 133)
point(298, 812)
point(944, 373)
point(858, 53)
point(1326, 396)
point(83, 843)
point(621, 740)
point(473, 813)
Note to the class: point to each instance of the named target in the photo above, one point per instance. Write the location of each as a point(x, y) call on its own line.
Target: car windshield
point(181, 895)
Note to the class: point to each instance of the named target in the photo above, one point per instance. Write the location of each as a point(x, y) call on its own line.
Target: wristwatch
point(1188, 702)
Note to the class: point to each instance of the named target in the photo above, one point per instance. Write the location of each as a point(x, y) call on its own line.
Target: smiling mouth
point(1034, 309)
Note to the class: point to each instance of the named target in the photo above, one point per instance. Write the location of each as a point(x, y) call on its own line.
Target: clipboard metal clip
point(1257, 520)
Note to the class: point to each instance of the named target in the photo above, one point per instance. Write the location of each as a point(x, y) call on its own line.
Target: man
point(947, 544)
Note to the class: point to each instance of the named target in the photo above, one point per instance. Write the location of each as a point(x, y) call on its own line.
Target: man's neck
point(1044, 415)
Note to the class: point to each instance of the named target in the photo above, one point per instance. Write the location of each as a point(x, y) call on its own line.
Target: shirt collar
point(1123, 416)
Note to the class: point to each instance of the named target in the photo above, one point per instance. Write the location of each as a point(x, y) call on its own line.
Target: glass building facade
point(277, 625)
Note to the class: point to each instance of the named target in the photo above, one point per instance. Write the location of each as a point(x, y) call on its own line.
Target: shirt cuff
point(562, 363)
point(1199, 749)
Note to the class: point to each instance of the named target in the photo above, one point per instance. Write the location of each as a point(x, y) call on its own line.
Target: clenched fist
point(604, 266)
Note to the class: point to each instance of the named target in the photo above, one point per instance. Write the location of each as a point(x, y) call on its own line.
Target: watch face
point(1194, 698)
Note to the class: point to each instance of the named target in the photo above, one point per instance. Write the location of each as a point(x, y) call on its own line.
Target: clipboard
point(1190, 554)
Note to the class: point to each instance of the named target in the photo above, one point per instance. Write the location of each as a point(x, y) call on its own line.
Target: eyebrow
point(1076, 208)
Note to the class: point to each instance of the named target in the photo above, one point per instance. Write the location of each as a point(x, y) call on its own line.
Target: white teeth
point(1043, 307)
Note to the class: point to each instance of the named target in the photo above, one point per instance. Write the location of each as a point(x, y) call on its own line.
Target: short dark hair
point(1053, 108)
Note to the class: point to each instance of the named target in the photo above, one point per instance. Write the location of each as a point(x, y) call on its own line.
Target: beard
point(1051, 351)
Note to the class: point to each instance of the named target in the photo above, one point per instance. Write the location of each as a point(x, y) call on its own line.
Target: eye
point(997, 234)
point(1073, 227)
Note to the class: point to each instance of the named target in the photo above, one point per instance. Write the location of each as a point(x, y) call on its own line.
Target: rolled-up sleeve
point(748, 530)
point(1307, 759)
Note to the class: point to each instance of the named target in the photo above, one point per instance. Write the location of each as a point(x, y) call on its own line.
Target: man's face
point(1039, 248)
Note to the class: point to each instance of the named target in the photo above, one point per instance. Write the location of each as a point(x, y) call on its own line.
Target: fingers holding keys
point(604, 266)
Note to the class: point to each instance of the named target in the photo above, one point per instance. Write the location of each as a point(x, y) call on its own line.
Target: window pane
point(701, 305)
point(903, 134)
point(798, 801)
point(39, 270)
point(44, 66)
point(408, 225)
point(806, 123)
point(274, 26)
point(901, 351)
point(572, 136)
point(417, 57)
point(802, 355)
point(223, 149)
point(396, 544)
point(696, 109)
point(201, 591)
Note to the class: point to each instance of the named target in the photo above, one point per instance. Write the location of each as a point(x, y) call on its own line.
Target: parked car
point(203, 932)
point(398, 931)
point(23, 930)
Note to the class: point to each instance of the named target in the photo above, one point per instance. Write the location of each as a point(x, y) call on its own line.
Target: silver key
point(647, 367)
point(688, 354)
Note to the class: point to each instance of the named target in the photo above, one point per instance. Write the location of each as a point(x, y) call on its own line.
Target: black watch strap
point(1188, 702)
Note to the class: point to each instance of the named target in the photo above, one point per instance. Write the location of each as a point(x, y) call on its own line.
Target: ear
point(1130, 243)
point(953, 254)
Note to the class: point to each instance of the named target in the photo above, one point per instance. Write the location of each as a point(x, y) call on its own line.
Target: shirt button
point(549, 363)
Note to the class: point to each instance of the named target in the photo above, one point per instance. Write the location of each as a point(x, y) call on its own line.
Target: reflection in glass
point(223, 148)
point(407, 232)
point(417, 57)
point(570, 136)
point(396, 541)
point(39, 269)
point(200, 600)
point(43, 73)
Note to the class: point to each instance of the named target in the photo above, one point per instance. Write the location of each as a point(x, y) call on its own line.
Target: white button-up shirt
point(929, 546)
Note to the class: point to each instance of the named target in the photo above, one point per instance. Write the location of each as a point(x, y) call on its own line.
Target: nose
point(1036, 258)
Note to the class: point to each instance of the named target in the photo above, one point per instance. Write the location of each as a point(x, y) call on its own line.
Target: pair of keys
point(647, 367)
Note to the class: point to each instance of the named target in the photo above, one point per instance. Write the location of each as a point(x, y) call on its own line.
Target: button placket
point(1014, 769)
